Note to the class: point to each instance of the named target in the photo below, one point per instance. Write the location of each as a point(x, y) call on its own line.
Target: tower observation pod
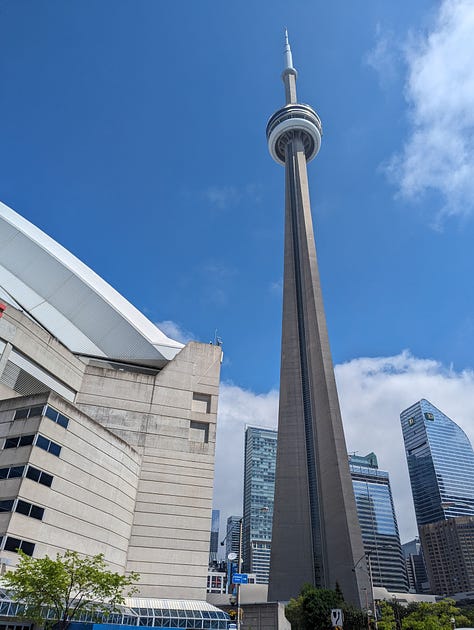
point(316, 535)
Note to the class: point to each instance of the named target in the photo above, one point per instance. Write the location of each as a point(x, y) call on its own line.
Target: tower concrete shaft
point(316, 535)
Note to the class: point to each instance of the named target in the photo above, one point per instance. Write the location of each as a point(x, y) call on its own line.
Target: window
point(429, 416)
point(28, 509)
point(13, 544)
point(38, 475)
point(21, 440)
point(13, 471)
point(57, 417)
point(28, 412)
point(48, 445)
point(6, 505)
point(199, 431)
point(201, 403)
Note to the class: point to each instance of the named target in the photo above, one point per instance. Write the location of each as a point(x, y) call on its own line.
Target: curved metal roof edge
point(104, 291)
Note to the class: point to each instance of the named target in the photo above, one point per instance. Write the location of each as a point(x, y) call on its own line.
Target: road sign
point(240, 578)
point(337, 618)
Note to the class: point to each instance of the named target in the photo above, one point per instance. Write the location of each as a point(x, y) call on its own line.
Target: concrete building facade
point(129, 465)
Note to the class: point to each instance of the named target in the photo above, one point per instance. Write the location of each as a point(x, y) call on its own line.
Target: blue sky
point(134, 134)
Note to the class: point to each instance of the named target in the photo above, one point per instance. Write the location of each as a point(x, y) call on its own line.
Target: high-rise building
point(415, 565)
point(214, 541)
point(107, 426)
point(232, 537)
point(259, 488)
point(316, 536)
point(440, 462)
point(378, 523)
point(441, 466)
point(449, 553)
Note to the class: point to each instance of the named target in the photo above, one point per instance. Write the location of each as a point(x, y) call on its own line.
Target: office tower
point(214, 541)
point(441, 466)
point(440, 462)
point(232, 537)
point(107, 426)
point(378, 523)
point(316, 535)
point(449, 553)
point(259, 488)
point(415, 565)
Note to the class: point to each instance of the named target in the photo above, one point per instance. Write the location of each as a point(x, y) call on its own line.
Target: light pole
point(239, 564)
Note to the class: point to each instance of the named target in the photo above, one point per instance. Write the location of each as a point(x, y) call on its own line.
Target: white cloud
point(372, 393)
point(174, 331)
point(385, 57)
point(439, 153)
point(224, 197)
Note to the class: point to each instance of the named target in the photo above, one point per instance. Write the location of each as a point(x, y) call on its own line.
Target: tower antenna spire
point(289, 73)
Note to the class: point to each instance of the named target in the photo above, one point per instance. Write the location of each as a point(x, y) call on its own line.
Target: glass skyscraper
point(440, 462)
point(378, 523)
point(259, 488)
point(214, 540)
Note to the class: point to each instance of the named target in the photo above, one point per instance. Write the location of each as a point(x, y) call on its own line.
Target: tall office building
point(214, 541)
point(378, 523)
point(107, 426)
point(316, 535)
point(440, 462)
point(259, 488)
point(441, 466)
point(415, 565)
point(449, 553)
point(232, 537)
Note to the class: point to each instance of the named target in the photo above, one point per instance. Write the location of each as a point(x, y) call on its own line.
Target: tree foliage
point(435, 616)
point(311, 610)
point(67, 585)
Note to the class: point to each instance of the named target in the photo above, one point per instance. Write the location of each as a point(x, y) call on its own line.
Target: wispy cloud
point(438, 155)
point(225, 197)
point(373, 392)
point(385, 57)
point(175, 331)
point(276, 287)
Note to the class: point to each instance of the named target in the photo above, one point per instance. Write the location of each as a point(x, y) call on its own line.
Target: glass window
point(26, 440)
point(42, 442)
point(46, 479)
point(33, 473)
point(37, 512)
point(36, 411)
point(12, 544)
point(62, 420)
point(54, 449)
point(20, 414)
point(27, 547)
point(23, 507)
point(51, 413)
point(16, 471)
point(6, 505)
point(4, 473)
point(11, 443)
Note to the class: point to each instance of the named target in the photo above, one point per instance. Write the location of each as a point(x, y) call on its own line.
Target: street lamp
point(239, 565)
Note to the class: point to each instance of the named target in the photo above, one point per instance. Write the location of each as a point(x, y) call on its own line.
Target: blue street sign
point(240, 578)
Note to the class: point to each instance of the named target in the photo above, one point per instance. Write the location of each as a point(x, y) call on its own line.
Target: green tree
point(435, 616)
point(68, 585)
point(311, 610)
point(387, 617)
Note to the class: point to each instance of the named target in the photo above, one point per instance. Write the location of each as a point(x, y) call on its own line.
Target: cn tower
point(316, 535)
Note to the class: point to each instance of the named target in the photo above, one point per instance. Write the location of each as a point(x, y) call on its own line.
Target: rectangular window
point(201, 403)
point(48, 445)
point(13, 544)
point(28, 509)
point(199, 431)
point(14, 471)
point(6, 505)
point(20, 440)
point(39, 476)
point(57, 417)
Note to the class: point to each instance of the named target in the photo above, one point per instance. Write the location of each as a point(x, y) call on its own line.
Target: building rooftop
point(71, 301)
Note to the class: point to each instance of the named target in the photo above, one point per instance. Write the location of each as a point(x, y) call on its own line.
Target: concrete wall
point(90, 505)
point(135, 476)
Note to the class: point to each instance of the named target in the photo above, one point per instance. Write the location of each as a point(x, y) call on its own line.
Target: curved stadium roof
point(71, 301)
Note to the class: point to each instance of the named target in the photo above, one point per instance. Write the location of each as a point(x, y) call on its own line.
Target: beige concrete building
point(107, 426)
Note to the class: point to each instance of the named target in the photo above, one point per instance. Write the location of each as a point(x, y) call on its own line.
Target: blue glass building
point(378, 523)
point(214, 540)
point(440, 462)
point(259, 488)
